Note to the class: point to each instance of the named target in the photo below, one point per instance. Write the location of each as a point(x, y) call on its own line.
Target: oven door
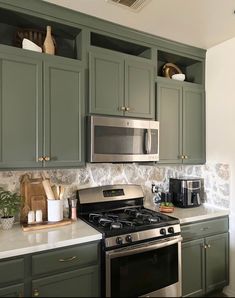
point(151, 269)
point(122, 139)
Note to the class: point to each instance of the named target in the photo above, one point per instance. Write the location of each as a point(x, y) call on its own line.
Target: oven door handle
point(143, 248)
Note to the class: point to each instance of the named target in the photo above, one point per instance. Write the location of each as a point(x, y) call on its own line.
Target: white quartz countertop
point(15, 242)
point(203, 212)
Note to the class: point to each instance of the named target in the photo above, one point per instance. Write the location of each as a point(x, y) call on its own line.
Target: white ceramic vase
point(7, 222)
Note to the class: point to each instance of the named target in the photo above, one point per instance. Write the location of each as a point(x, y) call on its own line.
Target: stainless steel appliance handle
point(148, 141)
point(143, 248)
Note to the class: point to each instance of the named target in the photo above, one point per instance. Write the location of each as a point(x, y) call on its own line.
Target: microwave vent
point(133, 4)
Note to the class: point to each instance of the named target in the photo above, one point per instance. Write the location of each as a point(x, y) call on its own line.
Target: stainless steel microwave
point(113, 139)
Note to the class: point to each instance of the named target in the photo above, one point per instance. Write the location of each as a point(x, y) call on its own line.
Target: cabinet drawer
point(11, 271)
point(201, 229)
point(62, 259)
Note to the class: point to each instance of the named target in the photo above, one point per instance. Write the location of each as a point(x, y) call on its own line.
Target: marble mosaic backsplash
point(216, 178)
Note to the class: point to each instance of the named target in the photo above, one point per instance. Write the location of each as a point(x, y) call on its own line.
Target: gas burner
point(116, 225)
point(133, 212)
point(104, 222)
point(95, 216)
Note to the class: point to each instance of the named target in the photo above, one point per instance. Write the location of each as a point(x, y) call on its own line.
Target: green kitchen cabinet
point(181, 114)
point(20, 111)
point(78, 283)
point(41, 110)
point(205, 250)
point(12, 291)
point(120, 85)
point(63, 114)
point(193, 268)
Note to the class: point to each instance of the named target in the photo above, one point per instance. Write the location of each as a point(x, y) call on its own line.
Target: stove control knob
point(171, 230)
point(163, 232)
point(128, 238)
point(119, 240)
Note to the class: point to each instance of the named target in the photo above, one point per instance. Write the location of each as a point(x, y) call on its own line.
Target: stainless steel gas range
point(141, 248)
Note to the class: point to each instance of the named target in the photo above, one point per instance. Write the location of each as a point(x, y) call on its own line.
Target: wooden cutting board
point(45, 225)
point(34, 197)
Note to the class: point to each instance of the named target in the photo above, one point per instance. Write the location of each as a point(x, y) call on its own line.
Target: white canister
point(55, 210)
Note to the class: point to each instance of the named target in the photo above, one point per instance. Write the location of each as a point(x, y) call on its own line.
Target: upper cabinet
point(121, 78)
point(41, 112)
point(181, 113)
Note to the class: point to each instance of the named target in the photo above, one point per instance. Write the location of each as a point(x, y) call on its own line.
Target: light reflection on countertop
point(15, 242)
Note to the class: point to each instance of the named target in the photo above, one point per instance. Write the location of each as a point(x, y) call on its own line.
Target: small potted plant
point(9, 205)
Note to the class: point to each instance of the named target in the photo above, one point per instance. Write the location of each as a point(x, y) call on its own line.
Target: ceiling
point(201, 23)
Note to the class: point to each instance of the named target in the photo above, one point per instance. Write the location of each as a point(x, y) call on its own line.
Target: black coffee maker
point(187, 192)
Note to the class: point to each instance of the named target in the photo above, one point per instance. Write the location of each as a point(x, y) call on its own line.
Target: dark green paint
point(78, 283)
point(20, 111)
point(193, 268)
point(183, 124)
point(205, 249)
point(49, 262)
point(10, 266)
point(12, 291)
point(63, 114)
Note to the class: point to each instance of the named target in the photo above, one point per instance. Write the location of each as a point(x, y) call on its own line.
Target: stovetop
point(127, 220)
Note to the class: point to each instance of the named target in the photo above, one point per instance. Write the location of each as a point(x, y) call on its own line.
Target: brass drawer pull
point(35, 293)
point(69, 259)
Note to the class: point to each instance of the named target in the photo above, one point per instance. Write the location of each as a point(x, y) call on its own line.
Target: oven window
point(143, 273)
point(122, 140)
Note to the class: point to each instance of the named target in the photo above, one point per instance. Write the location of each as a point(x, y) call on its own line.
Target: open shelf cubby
point(192, 68)
point(67, 38)
point(119, 45)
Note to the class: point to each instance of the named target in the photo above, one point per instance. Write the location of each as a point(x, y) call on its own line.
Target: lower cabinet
point(72, 271)
point(78, 283)
point(12, 291)
point(205, 260)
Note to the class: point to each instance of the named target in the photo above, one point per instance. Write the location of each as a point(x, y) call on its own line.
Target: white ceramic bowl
point(178, 76)
point(29, 45)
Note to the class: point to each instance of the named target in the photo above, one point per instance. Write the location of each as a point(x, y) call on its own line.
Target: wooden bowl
point(166, 209)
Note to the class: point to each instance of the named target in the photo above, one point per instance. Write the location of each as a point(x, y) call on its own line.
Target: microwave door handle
point(149, 141)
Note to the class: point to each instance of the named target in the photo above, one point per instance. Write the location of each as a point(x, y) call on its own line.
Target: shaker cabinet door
point(169, 115)
point(194, 125)
point(193, 268)
point(79, 283)
point(12, 291)
point(106, 81)
point(139, 88)
point(20, 112)
point(217, 262)
point(63, 114)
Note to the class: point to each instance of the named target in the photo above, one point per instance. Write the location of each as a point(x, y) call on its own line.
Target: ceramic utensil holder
point(55, 210)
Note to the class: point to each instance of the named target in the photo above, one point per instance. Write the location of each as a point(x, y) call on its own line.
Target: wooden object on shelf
point(45, 225)
point(48, 45)
point(35, 198)
point(35, 35)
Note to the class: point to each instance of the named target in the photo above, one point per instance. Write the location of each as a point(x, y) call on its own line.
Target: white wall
point(220, 90)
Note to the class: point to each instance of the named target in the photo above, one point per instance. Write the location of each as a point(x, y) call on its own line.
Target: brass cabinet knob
point(128, 109)
point(41, 159)
point(208, 246)
point(185, 157)
point(47, 158)
point(35, 293)
point(122, 108)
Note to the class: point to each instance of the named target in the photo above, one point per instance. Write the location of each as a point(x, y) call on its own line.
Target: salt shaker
point(31, 217)
point(38, 215)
